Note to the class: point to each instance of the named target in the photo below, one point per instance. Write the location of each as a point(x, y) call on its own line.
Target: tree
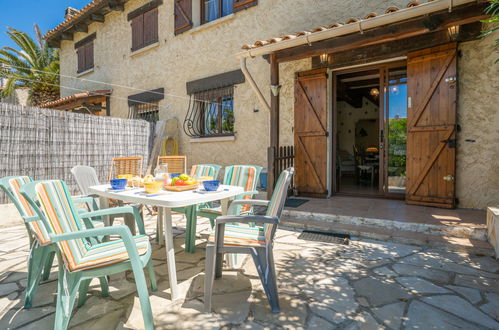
point(493, 10)
point(35, 66)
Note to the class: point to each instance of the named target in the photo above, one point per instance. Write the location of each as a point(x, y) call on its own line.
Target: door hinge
point(450, 142)
point(458, 128)
point(326, 134)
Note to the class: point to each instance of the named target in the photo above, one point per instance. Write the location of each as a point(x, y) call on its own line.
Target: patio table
point(165, 201)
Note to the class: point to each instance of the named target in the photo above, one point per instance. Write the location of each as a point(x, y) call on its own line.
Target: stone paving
point(363, 285)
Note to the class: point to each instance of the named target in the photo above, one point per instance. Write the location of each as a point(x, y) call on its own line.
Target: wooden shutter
point(89, 55)
point(183, 15)
point(80, 54)
point(243, 4)
point(151, 27)
point(311, 135)
point(431, 135)
point(137, 32)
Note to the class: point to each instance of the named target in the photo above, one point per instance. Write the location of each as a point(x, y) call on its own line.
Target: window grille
point(146, 111)
point(211, 113)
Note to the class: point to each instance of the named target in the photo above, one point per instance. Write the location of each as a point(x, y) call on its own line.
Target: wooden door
point(310, 135)
point(431, 136)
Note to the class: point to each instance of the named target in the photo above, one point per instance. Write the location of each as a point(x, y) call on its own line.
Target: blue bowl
point(118, 183)
point(211, 185)
point(174, 175)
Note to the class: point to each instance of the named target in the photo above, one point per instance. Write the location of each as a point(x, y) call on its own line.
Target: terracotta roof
point(389, 10)
point(76, 97)
point(70, 19)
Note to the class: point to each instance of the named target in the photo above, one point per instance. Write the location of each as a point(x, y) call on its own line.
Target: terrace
point(366, 284)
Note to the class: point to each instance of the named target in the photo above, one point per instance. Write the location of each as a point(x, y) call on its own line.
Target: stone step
point(458, 244)
point(475, 232)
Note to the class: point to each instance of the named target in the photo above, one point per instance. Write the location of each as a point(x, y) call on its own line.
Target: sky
point(22, 15)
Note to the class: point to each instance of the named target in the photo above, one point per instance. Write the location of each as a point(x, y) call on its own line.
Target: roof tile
point(389, 10)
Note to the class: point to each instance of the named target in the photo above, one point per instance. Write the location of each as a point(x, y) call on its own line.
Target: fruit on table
point(184, 177)
point(183, 180)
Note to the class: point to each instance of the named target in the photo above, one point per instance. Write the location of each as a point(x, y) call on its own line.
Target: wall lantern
point(374, 92)
point(275, 89)
point(453, 31)
point(324, 59)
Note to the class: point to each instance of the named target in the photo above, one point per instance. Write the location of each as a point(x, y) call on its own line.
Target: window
point(145, 105)
point(191, 13)
point(211, 113)
point(214, 9)
point(146, 111)
point(144, 23)
point(85, 53)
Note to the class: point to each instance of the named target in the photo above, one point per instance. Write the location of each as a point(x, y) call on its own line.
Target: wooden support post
point(274, 122)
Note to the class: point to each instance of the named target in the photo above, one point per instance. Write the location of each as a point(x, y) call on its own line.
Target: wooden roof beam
point(97, 18)
point(396, 31)
point(81, 27)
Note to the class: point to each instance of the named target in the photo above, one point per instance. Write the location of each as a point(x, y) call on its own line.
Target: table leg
point(159, 226)
point(170, 252)
point(190, 229)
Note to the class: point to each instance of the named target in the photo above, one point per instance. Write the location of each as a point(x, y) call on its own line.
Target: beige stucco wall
point(204, 52)
point(477, 162)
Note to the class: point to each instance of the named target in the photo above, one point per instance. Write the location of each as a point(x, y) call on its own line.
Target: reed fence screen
point(46, 144)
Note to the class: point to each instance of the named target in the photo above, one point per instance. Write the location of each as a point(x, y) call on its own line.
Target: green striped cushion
point(203, 170)
point(241, 236)
point(61, 214)
point(36, 227)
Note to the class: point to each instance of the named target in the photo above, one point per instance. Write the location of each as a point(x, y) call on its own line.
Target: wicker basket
point(181, 188)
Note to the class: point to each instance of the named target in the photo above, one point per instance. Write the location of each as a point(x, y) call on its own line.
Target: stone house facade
point(178, 58)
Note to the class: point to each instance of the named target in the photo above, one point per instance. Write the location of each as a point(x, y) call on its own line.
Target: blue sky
point(22, 15)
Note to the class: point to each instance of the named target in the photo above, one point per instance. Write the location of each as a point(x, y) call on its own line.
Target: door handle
point(449, 178)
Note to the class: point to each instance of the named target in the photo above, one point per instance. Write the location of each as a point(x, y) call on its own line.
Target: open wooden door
point(310, 130)
point(431, 136)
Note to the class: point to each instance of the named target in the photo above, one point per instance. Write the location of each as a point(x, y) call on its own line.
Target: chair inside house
point(42, 251)
point(176, 164)
point(257, 241)
point(80, 259)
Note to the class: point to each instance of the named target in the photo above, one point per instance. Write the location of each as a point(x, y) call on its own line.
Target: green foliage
point(397, 141)
point(492, 10)
point(33, 65)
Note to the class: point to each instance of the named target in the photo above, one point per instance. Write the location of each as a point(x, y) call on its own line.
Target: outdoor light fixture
point(324, 59)
point(453, 31)
point(374, 92)
point(275, 89)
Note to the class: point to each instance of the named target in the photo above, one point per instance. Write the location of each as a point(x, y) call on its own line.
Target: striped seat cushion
point(242, 236)
point(62, 217)
point(203, 170)
point(36, 227)
point(109, 253)
point(242, 176)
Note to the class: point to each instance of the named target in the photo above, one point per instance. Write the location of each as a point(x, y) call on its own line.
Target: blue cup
point(211, 185)
point(118, 183)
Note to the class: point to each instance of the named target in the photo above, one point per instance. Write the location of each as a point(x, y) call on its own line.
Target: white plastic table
point(165, 201)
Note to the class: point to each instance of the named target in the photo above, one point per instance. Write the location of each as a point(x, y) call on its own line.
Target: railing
point(279, 159)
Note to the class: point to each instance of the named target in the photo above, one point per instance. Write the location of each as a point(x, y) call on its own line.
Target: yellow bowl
point(153, 187)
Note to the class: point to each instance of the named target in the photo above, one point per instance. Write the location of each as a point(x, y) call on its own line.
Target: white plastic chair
point(85, 177)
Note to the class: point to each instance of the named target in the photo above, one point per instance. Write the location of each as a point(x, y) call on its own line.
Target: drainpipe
point(253, 84)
